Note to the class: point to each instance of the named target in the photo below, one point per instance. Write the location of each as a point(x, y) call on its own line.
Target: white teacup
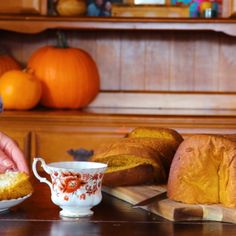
point(75, 186)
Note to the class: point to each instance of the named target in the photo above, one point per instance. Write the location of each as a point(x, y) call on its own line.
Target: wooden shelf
point(119, 120)
point(114, 115)
point(37, 24)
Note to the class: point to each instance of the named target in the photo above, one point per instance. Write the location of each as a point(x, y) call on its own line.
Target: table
point(39, 216)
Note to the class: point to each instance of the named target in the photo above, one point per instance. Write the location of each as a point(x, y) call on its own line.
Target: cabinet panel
point(22, 138)
point(53, 146)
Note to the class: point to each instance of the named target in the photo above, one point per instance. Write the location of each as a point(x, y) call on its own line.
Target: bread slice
point(143, 156)
point(129, 175)
point(123, 161)
point(14, 185)
point(135, 147)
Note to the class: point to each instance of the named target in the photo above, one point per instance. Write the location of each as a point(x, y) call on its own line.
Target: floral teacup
point(75, 186)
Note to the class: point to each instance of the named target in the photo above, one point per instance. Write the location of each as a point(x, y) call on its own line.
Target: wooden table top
point(39, 216)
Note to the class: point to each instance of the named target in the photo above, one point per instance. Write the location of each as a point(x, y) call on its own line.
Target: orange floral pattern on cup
point(68, 183)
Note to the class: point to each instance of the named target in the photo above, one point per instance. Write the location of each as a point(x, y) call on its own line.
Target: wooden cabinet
point(54, 146)
point(22, 137)
point(50, 134)
point(177, 73)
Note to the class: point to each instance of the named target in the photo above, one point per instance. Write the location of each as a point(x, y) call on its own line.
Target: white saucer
point(6, 204)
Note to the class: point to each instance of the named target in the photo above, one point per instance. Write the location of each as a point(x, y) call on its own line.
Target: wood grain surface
point(23, 7)
point(172, 210)
point(39, 216)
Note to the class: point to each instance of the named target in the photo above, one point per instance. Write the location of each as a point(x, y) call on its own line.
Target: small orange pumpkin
point(71, 7)
point(8, 63)
point(69, 76)
point(19, 90)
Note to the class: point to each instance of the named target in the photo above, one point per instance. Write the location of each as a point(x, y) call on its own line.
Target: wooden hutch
point(177, 73)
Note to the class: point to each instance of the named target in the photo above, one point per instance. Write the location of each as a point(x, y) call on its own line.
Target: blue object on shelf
point(193, 6)
point(215, 8)
point(194, 10)
point(176, 2)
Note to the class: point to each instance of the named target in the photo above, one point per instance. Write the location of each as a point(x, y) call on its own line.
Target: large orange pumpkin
point(7, 63)
point(69, 76)
point(19, 90)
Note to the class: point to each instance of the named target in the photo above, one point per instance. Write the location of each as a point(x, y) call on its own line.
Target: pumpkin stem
point(61, 40)
point(28, 70)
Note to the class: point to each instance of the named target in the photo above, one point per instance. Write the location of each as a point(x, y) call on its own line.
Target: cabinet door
point(22, 138)
point(53, 146)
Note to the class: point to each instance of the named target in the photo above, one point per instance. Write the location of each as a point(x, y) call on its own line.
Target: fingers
point(13, 153)
point(17, 156)
point(5, 163)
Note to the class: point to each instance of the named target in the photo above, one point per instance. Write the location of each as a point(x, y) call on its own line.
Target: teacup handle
point(44, 166)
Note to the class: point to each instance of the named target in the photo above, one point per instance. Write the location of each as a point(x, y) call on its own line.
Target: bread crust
point(141, 174)
point(157, 132)
point(127, 146)
point(203, 171)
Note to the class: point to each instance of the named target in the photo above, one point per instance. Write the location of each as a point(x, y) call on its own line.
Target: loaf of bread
point(203, 171)
point(125, 155)
point(14, 185)
point(138, 159)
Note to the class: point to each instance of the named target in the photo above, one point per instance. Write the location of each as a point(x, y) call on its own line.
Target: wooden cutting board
point(169, 209)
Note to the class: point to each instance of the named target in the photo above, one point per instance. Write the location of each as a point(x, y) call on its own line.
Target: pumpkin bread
point(14, 185)
point(130, 158)
point(124, 155)
point(133, 174)
point(203, 171)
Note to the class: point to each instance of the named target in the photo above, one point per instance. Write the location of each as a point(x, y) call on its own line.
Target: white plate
point(6, 204)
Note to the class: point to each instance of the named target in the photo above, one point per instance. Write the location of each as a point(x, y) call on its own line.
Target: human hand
point(11, 157)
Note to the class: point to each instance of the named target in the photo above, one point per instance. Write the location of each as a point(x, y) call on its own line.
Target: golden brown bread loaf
point(203, 171)
point(14, 185)
point(132, 157)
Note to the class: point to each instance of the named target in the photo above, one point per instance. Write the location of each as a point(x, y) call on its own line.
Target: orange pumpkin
point(8, 63)
point(71, 7)
point(69, 76)
point(19, 90)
